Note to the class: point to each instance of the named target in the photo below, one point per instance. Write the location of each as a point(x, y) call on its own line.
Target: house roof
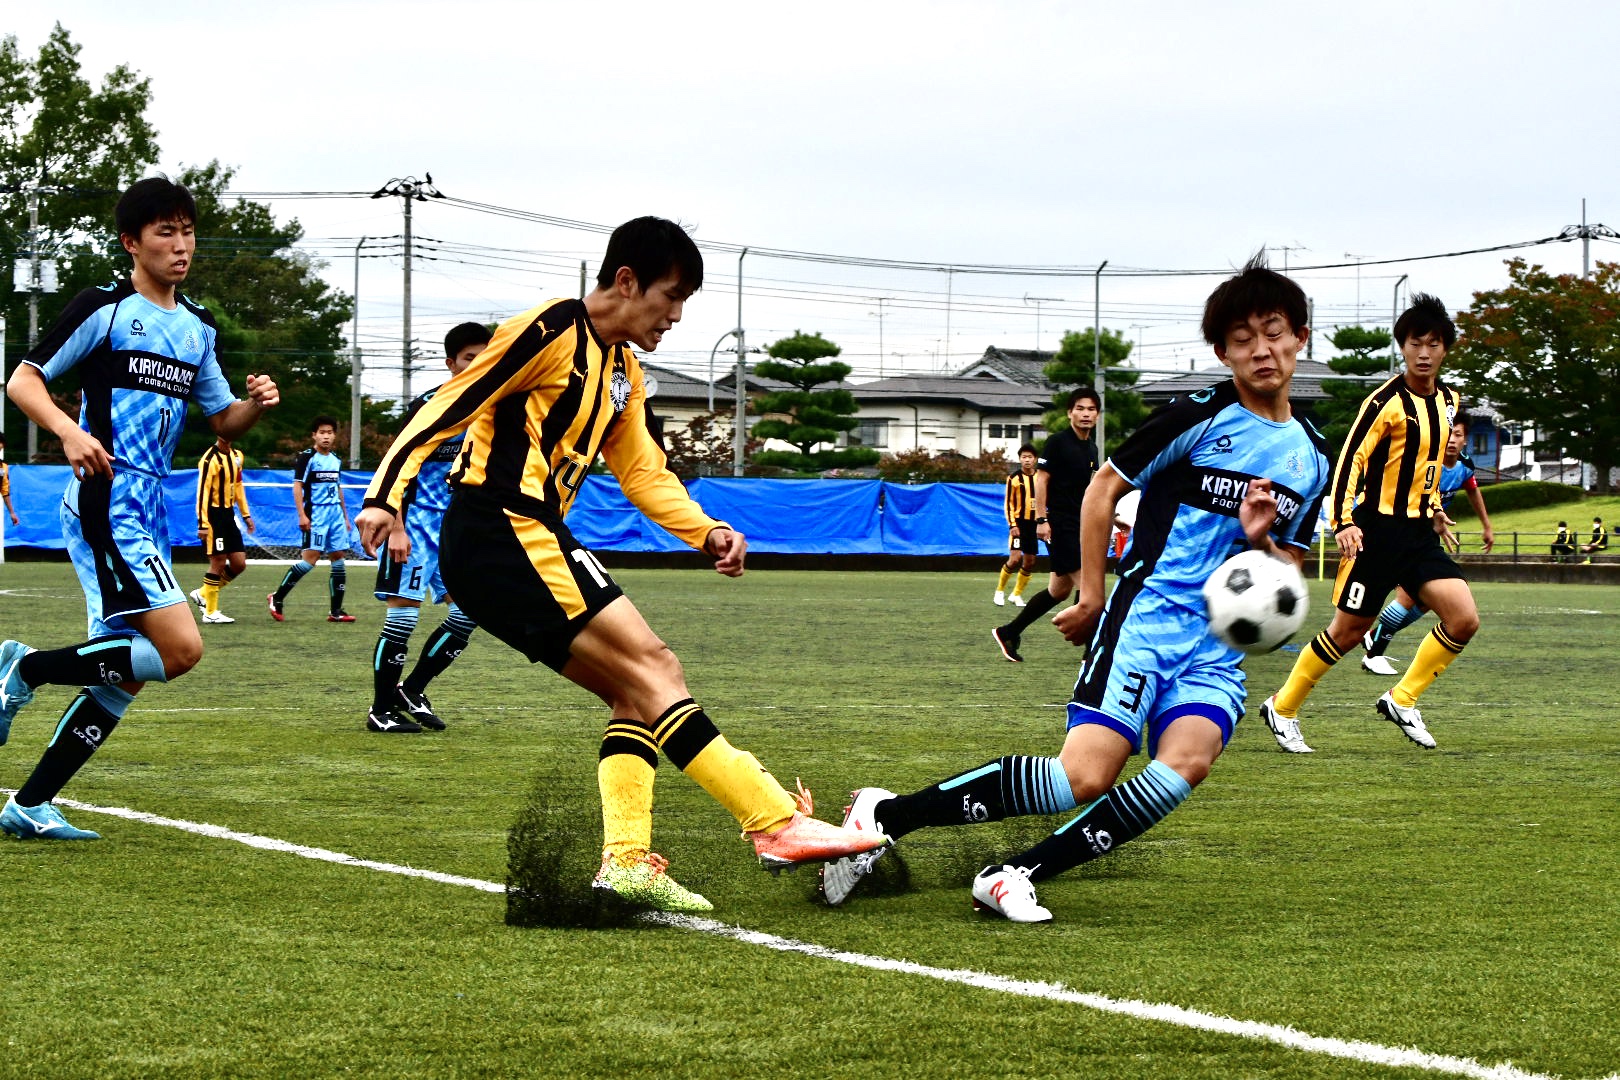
point(981, 393)
point(1308, 376)
point(1026, 367)
point(675, 386)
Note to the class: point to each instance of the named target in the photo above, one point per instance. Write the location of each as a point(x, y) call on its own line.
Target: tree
point(80, 146)
point(703, 447)
point(1545, 351)
point(1361, 352)
point(805, 416)
point(1074, 366)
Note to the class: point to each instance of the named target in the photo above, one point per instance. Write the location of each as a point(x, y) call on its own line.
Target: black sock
point(1127, 811)
point(336, 587)
point(295, 573)
point(1033, 610)
point(444, 646)
point(1010, 786)
point(92, 663)
point(388, 661)
point(85, 726)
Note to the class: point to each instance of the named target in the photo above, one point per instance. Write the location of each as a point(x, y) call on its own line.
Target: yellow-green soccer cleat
point(644, 880)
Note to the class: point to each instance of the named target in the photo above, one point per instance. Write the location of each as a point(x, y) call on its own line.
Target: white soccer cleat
point(197, 598)
point(839, 877)
point(1409, 720)
point(217, 617)
point(1006, 891)
point(1378, 665)
point(1017, 600)
point(999, 599)
point(1284, 728)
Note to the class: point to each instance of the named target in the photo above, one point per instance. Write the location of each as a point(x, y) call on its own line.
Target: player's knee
point(1190, 764)
point(1463, 627)
point(180, 657)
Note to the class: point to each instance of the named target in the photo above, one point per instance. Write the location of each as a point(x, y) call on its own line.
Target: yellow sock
point(1434, 655)
point(1315, 661)
point(1001, 582)
point(1018, 586)
point(624, 777)
point(210, 593)
point(733, 778)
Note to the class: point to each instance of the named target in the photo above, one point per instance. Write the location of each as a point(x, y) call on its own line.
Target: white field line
point(1280, 1035)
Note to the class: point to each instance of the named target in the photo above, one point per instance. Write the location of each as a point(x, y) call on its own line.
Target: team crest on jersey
point(136, 329)
point(1294, 464)
point(1451, 415)
point(190, 343)
point(619, 391)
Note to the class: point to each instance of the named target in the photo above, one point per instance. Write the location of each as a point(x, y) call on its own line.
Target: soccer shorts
point(1026, 541)
point(1404, 553)
point(418, 577)
point(1151, 663)
point(1063, 550)
point(221, 535)
point(328, 532)
point(117, 534)
point(523, 578)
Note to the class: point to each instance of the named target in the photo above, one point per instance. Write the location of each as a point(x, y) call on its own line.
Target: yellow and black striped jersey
point(537, 405)
point(219, 482)
point(1020, 497)
point(1391, 461)
point(5, 480)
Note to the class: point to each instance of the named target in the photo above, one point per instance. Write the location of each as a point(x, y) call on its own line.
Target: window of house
point(873, 433)
point(1482, 442)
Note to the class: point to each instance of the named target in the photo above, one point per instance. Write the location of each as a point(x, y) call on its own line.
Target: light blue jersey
point(139, 365)
point(1154, 658)
point(1453, 478)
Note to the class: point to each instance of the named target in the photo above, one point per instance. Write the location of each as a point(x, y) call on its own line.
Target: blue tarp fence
point(845, 517)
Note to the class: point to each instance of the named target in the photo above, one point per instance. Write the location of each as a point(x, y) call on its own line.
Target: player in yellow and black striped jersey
point(1391, 530)
point(5, 483)
point(1023, 544)
point(557, 385)
point(219, 495)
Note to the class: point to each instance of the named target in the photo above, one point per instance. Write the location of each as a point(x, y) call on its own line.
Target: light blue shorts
point(418, 578)
point(117, 534)
point(327, 532)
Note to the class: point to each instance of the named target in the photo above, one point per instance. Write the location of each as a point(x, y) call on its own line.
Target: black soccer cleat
point(418, 708)
point(1008, 644)
point(387, 722)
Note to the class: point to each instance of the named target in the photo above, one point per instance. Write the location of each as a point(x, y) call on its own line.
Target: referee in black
point(1068, 462)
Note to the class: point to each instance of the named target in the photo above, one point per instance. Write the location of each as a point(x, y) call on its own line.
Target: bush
point(920, 467)
point(1521, 494)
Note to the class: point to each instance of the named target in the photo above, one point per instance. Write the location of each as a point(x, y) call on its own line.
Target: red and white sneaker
point(839, 877)
point(805, 839)
point(1006, 891)
point(275, 608)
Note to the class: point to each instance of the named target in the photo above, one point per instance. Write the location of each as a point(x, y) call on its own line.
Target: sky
point(951, 138)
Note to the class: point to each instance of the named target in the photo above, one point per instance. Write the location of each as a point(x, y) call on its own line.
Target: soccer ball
point(1256, 601)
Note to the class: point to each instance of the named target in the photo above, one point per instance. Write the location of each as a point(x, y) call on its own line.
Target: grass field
point(1371, 910)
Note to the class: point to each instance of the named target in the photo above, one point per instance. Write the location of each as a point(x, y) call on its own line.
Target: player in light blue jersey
point(143, 351)
point(1224, 468)
point(408, 573)
point(324, 518)
point(1456, 474)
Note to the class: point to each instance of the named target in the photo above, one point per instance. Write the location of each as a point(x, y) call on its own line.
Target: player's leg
point(337, 585)
point(445, 645)
point(1064, 552)
point(999, 597)
point(295, 573)
point(388, 662)
point(1451, 600)
point(1026, 569)
point(1360, 588)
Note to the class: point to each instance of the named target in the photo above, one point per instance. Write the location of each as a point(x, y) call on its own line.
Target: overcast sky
point(952, 134)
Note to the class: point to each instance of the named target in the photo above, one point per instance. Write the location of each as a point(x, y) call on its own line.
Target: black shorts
point(523, 578)
point(221, 536)
point(1063, 550)
point(1026, 541)
point(1404, 553)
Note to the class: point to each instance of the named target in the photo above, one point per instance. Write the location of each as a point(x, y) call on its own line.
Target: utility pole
point(411, 190)
point(1358, 259)
point(1394, 315)
point(739, 436)
point(1096, 348)
point(34, 275)
point(1584, 233)
point(1038, 301)
point(355, 366)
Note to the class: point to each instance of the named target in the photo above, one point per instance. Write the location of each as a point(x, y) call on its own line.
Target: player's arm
point(1258, 513)
point(1096, 530)
point(1348, 475)
point(238, 418)
point(1476, 499)
point(241, 497)
point(84, 451)
point(1043, 529)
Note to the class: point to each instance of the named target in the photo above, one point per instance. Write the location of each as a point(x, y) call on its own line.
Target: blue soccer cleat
point(14, 693)
point(42, 822)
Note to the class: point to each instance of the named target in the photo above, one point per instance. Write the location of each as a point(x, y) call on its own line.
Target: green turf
point(1461, 901)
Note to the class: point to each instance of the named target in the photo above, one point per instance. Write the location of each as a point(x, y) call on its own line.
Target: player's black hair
point(315, 424)
point(1255, 290)
point(157, 198)
point(1426, 315)
point(652, 247)
point(1081, 392)
point(464, 334)
point(1027, 449)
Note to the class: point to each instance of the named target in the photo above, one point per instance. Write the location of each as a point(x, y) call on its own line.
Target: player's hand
point(1349, 541)
point(1442, 528)
point(262, 391)
point(399, 546)
point(729, 548)
point(1258, 513)
point(1043, 531)
point(252, 528)
point(1488, 539)
point(374, 524)
point(86, 454)
point(303, 520)
point(1078, 621)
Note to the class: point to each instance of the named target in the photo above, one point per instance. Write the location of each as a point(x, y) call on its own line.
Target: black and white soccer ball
point(1256, 601)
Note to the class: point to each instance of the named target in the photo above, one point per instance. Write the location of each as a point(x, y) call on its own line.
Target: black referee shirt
point(1069, 463)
